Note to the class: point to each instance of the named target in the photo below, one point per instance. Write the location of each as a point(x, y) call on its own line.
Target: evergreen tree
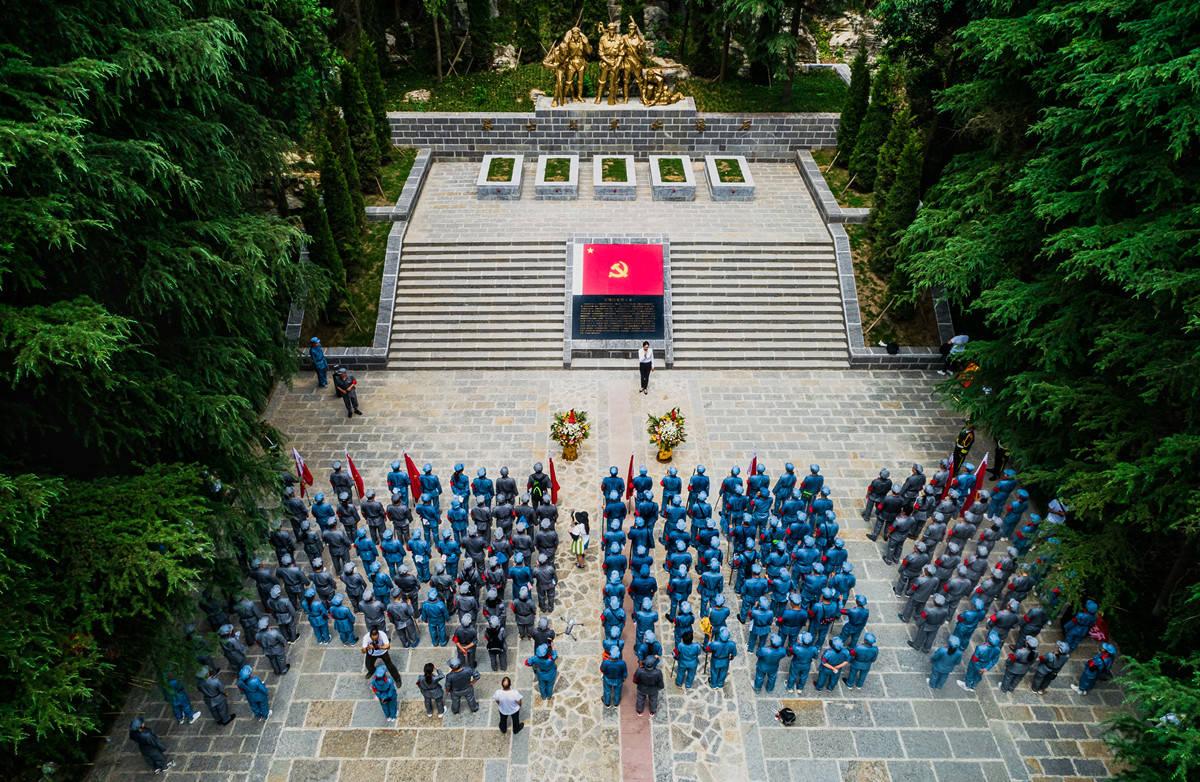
point(874, 130)
point(368, 69)
point(141, 302)
point(857, 100)
point(900, 207)
point(361, 126)
point(885, 166)
point(322, 250)
point(339, 141)
point(338, 205)
point(1065, 229)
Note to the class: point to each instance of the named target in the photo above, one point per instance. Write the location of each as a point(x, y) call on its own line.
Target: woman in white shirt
point(508, 703)
point(645, 364)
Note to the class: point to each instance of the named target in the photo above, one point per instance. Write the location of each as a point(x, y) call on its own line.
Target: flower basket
point(666, 432)
point(569, 430)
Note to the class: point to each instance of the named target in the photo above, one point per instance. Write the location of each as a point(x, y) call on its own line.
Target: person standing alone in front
point(645, 364)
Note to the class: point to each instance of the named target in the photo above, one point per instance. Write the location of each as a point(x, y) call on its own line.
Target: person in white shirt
point(645, 364)
point(508, 703)
point(375, 646)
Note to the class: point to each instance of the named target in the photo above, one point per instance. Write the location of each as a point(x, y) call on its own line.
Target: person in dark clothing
point(649, 681)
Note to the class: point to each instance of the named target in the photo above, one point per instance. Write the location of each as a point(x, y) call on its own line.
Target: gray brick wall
point(462, 135)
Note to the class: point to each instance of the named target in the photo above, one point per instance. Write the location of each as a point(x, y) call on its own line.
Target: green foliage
point(509, 91)
point(855, 108)
point(900, 205)
point(338, 205)
point(874, 130)
point(1066, 225)
point(885, 166)
point(339, 142)
point(142, 293)
point(322, 250)
point(361, 126)
point(368, 69)
point(1159, 738)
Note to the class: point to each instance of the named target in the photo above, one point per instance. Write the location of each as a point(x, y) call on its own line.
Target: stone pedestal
point(672, 191)
point(728, 191)
point(613, 191)
point(487, 190)
point(556, 191)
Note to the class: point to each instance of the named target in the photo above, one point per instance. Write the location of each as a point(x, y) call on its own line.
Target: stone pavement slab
point(327, 725)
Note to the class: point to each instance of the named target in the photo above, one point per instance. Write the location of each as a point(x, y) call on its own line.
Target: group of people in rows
point(494, 560)
point(957, 526)
point(788, 566)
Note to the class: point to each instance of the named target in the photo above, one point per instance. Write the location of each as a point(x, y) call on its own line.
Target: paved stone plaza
point(327, 725)
point(448, 210)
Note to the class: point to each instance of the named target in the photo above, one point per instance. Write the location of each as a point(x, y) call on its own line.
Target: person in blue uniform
point(721, 651)
point(861, 658)
point(943, 661)
point(317, 354)
point(833, 661)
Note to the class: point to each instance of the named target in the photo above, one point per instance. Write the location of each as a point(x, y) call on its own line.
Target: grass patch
point(612, 169)
point(918, 331)
point(671, 170)
point(729, 170)
point(501, 169)
point(509, 91)
point(392, 176)
point(558, 169)
point(838, 179)
point(811, 91)
point(356, 319)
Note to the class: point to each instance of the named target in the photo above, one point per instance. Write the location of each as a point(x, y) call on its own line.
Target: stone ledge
point(488, 190)
point(827, 204)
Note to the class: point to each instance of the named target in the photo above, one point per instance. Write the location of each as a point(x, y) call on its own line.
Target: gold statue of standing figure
point(631, 62)
point(578, 47)
point(556, 60)
point(611, 50)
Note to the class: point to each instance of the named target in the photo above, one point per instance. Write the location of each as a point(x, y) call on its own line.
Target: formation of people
point(788, 567)
point(454, 570)
point(421, 567)
point(957, 577)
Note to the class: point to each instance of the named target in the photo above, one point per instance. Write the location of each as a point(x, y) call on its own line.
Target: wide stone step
point(781, 255)
point(455, 244)
point(705, 246)
point(506, 319)
point(499, 340)
point(797, 362)
point(409, 363)
point(777, 283)
point(704, 319)
point(490, 274)
point(496, 354)
point(494, 288)
point(783, 294)
point(422, 259)
point(775, 266)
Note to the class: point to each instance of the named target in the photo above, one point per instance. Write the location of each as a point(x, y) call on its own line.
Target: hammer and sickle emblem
point(619, 270)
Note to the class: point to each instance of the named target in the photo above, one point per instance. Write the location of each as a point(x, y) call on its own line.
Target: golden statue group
point(620, 62)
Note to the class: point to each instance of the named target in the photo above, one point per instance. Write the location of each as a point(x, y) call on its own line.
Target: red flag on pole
point(753, 464)
point(979, 473)
point(629, 478)
point(950, 480)
point(358, 481)
point(302, 471)
point(414, 477)
point(554, 487)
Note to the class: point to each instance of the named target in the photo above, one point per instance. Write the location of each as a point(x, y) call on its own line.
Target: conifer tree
point(898, 211)
point(339, 141)
point(857, 100)
point(322, 250)
point(874, 130)
point(885, 167)
point(337, 204)
point(361, 126)
point(368, 70)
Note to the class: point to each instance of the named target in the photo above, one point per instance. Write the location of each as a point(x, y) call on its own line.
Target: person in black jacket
point(649, 681)
point(150, 746)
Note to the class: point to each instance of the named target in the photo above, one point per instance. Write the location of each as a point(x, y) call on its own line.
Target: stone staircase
point(476, 305)
point(760, 305)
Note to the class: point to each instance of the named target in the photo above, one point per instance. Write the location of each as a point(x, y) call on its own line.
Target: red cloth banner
point(302, 471)
point(554, 487)
point(358, 481)
point(414, 477)
point(623, 269)
point(629, 479)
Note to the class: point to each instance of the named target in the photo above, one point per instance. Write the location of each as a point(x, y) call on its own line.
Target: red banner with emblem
point(622, 270)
